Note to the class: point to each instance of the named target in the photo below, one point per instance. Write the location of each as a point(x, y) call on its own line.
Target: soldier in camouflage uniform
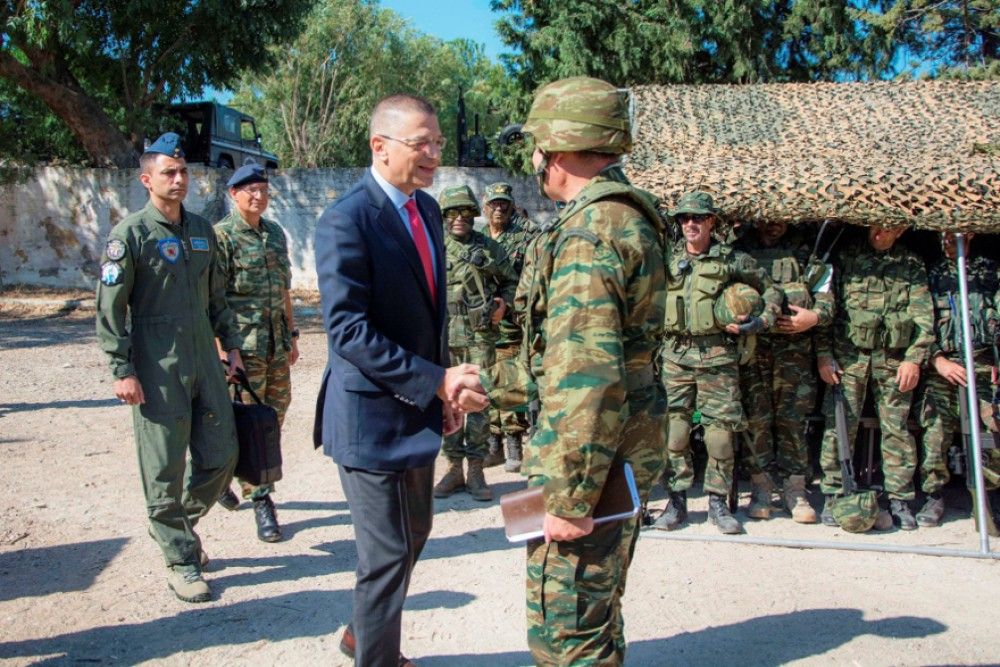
point(698, 361)
point(590, 301)
point(509, 229)
point(160, 304)
point(882, 333)
point(481, 283)
point(778, 384)
point(937, 404)
point(255, 267)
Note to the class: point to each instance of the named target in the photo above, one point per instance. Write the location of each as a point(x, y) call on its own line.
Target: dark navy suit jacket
point(387, 341)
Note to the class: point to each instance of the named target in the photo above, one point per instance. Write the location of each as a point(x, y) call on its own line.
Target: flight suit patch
point(199, 243)
point(115, 250)
point(170, 249)
point(111, 273)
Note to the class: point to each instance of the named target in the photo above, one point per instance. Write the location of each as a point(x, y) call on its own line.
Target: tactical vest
point(693, 284)
point(470, 290)
point(983, 285)
point(875, 303)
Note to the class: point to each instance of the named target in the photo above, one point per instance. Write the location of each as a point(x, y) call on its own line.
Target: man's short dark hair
point(146, 162)
point(392, 106)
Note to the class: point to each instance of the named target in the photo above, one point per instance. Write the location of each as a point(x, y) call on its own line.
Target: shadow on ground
point(67, 567)
point(84, 403)
point(36, 332)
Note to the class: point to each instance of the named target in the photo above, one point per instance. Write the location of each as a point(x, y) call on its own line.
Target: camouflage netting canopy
point(923, 153)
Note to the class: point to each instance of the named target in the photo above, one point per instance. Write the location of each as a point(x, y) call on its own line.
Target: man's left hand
point(559, 529)
point(907, 376)
point(293, 354)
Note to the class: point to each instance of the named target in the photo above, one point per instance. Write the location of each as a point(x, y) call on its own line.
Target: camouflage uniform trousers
point(502, 421)
point(937, 410)
point(715, 392)
point(270, 379)
point(471, 441)
point(899, 451)
point(779, 389)
point(574, 589)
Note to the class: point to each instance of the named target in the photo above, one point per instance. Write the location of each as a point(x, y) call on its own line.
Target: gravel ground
point(81, 582)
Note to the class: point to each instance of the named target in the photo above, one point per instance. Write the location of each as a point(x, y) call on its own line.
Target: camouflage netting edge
point(913, 153)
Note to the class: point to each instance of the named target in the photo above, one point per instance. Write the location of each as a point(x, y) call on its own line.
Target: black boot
point(721, 517)
point(675, 513)
point(268, 529)
point(826, 516)
point(228, 499)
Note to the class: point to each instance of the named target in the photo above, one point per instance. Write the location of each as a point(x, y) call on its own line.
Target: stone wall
point(54, 221)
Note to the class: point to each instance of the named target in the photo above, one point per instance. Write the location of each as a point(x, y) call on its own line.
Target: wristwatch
point(294, 333)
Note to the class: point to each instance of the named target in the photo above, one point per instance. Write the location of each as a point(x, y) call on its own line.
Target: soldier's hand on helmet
point(829, 371)
point(129, 391)
point(748, 325)
point(907, 376)
point(499, 312)
point(949, 370)
point(801, 319)
point(558, 529)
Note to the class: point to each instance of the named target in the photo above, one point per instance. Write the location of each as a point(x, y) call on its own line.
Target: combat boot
point(901, 514)
point(826, 516)
point(794, 495)
point(719, 515)
point(186, 583)
point(228, 499)
point(512, 443)
point(475, 482)
point(268, 529)
point(930, 514)
point(494, 456)
point(675, 513)
point(761, 488)
point(453, 480)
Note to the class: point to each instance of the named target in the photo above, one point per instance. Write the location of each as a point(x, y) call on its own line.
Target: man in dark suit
point(387, 394)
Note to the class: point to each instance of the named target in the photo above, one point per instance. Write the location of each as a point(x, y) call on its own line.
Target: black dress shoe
point(267, 521)
point(228, 499)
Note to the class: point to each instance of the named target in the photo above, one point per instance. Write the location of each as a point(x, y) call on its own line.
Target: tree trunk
point(106, 145)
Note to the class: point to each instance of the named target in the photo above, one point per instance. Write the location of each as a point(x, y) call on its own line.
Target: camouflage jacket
point(789, 263)
point(722, 265)
point(883, 303)
point(590, 300)
point(514, 239)
point(984, 281)
point(257, 273)
point(478, 270)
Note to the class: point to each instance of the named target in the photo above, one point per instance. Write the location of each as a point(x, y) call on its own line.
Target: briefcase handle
point(243, 382)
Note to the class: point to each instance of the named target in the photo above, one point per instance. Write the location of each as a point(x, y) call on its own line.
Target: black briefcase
point(259, 435)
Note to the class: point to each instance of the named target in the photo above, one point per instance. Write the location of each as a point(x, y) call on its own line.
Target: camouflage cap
point(580, 114)
point(797, 294)
point(456, 197)
point(499, 190)
point(737, 300)
point(855, 513)
point(695, 203)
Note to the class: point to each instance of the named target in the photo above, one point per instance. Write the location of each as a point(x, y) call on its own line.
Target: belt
point(708, 340)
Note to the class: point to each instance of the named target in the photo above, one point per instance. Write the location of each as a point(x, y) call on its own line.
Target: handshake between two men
point(461, 392)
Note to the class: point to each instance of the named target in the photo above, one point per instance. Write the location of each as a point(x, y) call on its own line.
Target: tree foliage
point(102, 66)
point(314, 105)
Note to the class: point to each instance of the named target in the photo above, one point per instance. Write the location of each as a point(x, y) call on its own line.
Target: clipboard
point(524, 511)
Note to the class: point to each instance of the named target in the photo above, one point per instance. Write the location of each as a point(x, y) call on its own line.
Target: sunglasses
point(697, 219)
point(467, 213)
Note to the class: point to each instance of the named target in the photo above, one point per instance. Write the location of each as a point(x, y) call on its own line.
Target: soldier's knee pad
point(678, 434)
point(718, 443)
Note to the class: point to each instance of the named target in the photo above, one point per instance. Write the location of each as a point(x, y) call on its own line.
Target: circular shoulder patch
point(115, 250)
point(111, 273)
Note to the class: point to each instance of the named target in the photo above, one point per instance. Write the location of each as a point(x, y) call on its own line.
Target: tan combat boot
point(186, 583)
point(794, 495)
point(761, 489)
point(453, 480)
point(495, 456)
point(475, 484)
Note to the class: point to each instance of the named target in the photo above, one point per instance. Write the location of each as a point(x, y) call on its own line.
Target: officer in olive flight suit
point(158, 273)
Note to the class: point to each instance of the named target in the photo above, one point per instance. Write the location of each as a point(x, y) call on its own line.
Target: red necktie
point(423, 248)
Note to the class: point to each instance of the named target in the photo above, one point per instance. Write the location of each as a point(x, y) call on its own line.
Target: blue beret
point(248, 173)
point(168, 144)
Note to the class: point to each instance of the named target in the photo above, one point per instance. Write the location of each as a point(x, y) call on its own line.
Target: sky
point(471, 19)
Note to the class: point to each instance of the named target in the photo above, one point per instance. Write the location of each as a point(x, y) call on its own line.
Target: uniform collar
point(241, 225)
point(156, 215)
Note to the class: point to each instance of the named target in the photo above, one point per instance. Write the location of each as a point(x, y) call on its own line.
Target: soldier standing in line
point(509, 229)
point(591, 304)
point(159, 272)
point(699, 358)
point(778, 384)
point(882, 333)
point(253, 262)
point(481, 283)
point(937, 404)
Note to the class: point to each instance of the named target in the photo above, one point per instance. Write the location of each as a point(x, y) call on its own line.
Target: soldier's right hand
point(129, 391)
point(829, 371)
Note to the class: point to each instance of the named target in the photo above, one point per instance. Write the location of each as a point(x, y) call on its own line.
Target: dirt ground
point(81, 582)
